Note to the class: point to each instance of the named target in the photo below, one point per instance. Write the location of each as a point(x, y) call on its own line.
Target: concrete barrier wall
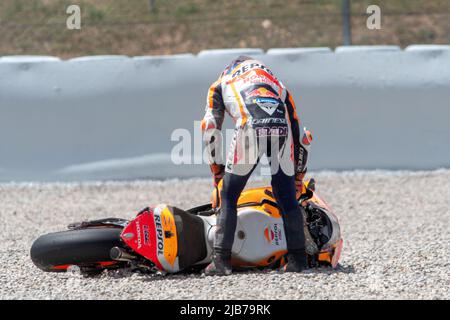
point(111, 117)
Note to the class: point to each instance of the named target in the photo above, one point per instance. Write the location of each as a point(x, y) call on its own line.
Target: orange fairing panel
point(332, 256)
point(251, 195)
point(262, 263)
point(337, 253)
point(257, 195)
point(170, 243)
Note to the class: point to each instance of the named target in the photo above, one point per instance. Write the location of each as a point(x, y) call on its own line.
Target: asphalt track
point(395, 227)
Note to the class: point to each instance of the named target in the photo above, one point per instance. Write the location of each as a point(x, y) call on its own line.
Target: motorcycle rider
point(266, 122)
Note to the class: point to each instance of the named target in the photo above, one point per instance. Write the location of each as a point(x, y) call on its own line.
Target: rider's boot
point(296, 261)
point(220, 265)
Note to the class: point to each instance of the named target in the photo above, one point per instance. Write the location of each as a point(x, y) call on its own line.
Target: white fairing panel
point(258, 236)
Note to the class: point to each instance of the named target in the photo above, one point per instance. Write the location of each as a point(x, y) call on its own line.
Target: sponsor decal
point(268, 121)
point(300, 164)
point(170, 236)
point(247, 67)
point(269, 105)
point(273, 234)
point(146, 235)
point(159, 234)
point(271, 131)
point(262, 92)
point(138, 232)
point(255, 78)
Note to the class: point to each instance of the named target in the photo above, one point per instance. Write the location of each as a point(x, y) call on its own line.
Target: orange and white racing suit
point(260, 105)
point(266, 123)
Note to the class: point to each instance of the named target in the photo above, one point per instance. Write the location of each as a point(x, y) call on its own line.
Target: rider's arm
point(211, 126)
point(298, 133)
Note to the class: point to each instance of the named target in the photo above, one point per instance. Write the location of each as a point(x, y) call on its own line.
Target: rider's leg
point(242, 160)
point(226, 223)
point(284, 191)
point(283, 187)
point(232, 187)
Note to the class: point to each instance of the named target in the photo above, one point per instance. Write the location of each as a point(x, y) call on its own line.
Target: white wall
point(111, 117)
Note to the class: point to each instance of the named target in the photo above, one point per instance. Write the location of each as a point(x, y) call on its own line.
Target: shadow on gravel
point(125, 273)
point(347, 269)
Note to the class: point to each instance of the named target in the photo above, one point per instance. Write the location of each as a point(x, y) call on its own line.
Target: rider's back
point(252, 94)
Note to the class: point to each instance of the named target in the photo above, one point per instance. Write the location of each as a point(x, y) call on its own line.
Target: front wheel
point(87, 248)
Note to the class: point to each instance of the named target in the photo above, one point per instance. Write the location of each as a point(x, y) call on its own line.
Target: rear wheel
point(87, 248)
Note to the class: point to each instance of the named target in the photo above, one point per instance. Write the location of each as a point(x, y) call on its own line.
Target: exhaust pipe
point(119, 254)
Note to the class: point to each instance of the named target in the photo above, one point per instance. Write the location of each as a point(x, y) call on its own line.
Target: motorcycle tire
point(87, 248)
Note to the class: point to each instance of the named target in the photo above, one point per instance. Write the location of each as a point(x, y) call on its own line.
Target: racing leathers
point(266, 122)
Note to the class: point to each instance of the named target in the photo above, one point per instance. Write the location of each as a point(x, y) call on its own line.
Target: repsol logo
point(159, 234)
point(247, 67)
point(277, 234)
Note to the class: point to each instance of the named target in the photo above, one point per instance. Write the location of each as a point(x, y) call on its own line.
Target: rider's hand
point(218, 171)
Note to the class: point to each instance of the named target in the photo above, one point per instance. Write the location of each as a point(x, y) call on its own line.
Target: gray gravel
point(395, 227)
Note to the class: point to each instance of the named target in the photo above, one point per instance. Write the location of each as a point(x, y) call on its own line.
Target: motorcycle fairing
point(337, 253)
point(331, 251)
point(174, 239)
point(260, 200)
point(166, 234)
point(262, 197)
point(169, 237)
point(264, 240)
point(153, 235)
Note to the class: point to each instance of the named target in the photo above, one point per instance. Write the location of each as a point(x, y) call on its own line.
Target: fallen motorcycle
point(168, 239)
